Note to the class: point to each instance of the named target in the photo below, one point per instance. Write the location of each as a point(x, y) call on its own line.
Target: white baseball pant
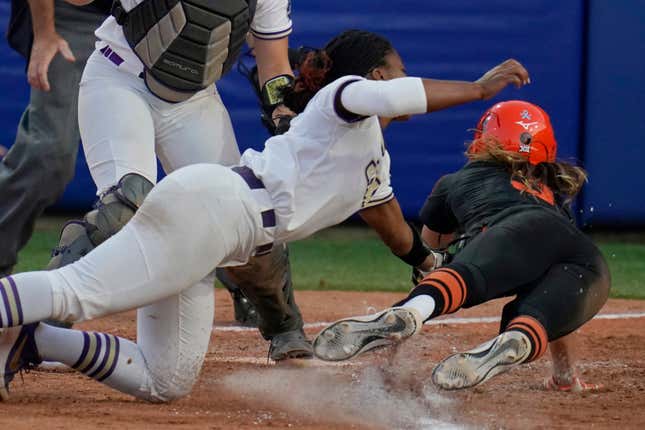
point(200, 217)
point(124, 129)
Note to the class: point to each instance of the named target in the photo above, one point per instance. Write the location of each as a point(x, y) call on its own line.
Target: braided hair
point(353, 52)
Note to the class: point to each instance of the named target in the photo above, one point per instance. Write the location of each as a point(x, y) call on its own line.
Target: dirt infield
point(239, 390)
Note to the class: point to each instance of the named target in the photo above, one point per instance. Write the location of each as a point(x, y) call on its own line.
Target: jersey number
point(373, 182)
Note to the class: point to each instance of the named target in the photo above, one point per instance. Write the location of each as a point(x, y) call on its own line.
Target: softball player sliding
point(509, 205)
point(330, 164)
point(133, 110)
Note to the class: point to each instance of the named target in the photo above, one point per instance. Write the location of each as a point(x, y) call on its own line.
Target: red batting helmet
point(518, 126)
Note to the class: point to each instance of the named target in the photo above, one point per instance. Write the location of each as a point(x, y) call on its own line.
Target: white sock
point(109, 359)
point(423, 304)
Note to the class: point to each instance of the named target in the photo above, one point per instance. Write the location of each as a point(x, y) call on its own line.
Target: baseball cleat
point(470, 368)
point(17, 352)
point(351, 336)
point(289, 345)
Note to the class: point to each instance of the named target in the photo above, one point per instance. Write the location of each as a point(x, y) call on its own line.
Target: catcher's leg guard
point(113, 210)
point(245, 312)
point(266, 282)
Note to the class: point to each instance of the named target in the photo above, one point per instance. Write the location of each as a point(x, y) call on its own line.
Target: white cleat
point(470, 368)
point(351, 336)
point(17, 352)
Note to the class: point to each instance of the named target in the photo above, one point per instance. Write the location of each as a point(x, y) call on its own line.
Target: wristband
point(419, 251)
point(272, 90)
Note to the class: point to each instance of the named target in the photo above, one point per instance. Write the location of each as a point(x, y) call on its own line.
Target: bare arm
point(42, 16)
point(47, 43)
point(272, 58)
point(79, 2)
point(444, 94)
point(409, 96)
point(388, 221)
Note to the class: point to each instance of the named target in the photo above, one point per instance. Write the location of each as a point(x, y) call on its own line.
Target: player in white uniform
point(125, 127)
point(329, 165)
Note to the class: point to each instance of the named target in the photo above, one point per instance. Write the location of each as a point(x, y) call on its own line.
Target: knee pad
point(113, 210)
point(116, 207)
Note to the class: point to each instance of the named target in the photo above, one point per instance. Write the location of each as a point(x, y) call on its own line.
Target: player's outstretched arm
point(402, 239)
point(409, 96)
point(444, 94)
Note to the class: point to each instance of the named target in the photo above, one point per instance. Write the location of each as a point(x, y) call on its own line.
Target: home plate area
point(239, 388)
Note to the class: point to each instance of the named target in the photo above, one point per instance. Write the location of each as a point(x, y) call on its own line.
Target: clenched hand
point(497, 78)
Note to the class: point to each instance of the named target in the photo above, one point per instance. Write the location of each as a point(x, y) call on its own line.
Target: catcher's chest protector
point(185, 46)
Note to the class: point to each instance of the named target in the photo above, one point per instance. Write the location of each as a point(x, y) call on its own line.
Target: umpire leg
point(41, 161)
point(266, 281)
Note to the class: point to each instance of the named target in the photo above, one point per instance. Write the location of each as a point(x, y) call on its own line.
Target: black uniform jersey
point(479, 194)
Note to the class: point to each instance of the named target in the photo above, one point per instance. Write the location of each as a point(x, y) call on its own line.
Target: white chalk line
point(449, 321)
point(289, 363)
point(50, 365)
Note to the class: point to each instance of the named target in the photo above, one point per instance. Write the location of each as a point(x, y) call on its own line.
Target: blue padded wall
point(451, 40)
point(615, 126)
point(460, 39)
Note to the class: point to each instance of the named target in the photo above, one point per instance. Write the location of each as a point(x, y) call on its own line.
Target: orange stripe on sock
point(442, 289)
point(460, 282)
point(537, 332)
point(457, 290)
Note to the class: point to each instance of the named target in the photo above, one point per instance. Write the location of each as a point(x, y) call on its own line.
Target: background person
point(56, 39)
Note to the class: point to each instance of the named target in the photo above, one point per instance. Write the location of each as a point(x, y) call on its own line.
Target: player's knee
point(170, 393)
point(168, 387)
point(598, 290)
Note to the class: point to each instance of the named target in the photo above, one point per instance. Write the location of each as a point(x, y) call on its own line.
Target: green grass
point(353, 258)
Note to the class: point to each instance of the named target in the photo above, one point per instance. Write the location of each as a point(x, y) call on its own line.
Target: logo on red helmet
point(525, 142)
point(526, 125)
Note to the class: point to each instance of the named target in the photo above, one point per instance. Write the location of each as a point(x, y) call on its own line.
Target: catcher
point(509, 204)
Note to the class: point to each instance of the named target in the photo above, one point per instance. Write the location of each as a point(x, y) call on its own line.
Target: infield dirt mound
point(239, 390)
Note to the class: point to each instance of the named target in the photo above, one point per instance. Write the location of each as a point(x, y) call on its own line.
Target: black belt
point(268, 216)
